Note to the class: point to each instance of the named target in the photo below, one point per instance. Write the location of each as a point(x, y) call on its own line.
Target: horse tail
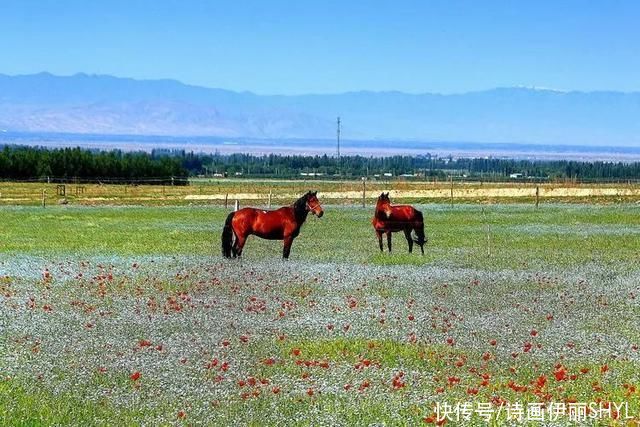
point(227, 236)
point(420, 239)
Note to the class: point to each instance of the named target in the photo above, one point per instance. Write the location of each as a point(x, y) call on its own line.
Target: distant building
point(516, 176)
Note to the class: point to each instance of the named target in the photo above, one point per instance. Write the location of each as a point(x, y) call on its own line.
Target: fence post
point(269, 199)
point(537, 196)
point(451, 179)
point(226, 199)
point(44, 200)
point(236, 206)
point(364, 192)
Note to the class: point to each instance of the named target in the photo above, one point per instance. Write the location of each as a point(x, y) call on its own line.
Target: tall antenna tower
point(338, 136)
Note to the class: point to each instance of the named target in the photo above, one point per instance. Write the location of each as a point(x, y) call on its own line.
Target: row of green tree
point(24, 163)
point(425, 166)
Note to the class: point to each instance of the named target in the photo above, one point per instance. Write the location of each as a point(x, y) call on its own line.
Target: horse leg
point(379, 234)
point(421, 240)
point(288, 241)
point(238, 245)
point(407, 235)
point(389, 240)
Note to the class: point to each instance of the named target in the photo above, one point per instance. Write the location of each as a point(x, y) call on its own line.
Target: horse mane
point(300, 207)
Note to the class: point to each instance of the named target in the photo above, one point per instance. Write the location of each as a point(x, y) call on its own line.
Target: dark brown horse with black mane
point(280, 224)
point(388, 219)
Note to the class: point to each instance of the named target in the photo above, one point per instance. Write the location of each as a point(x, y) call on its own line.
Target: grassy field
point(248, 191)
point(128, 315)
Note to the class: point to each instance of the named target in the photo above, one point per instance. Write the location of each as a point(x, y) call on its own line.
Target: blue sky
point(293, 47)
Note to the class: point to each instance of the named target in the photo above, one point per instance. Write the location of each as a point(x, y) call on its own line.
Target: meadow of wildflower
point(130, 315)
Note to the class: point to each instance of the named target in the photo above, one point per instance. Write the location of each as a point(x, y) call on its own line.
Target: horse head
point(383, 204)
point(313, 204)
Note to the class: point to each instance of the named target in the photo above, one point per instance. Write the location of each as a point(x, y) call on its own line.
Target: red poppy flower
point(560, 373)
point(541, 381)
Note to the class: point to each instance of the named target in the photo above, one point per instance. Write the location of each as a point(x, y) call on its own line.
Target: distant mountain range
point(100, 104)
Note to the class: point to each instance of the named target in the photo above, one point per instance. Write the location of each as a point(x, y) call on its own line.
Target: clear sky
point(316, 46)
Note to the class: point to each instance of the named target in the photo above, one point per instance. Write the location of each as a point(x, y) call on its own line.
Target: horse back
point(268, 224)
point(402, 217)
point(405, 213)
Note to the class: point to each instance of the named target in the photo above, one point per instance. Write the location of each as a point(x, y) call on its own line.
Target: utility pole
point(338, 137)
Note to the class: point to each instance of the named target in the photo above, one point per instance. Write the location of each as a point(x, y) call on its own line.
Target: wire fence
point(192, 180)
point(171, 180)
point(272, 193)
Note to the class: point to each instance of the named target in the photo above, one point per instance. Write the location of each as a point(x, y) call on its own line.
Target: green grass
point(556, 238)
point(24, 403)
point(519, 235)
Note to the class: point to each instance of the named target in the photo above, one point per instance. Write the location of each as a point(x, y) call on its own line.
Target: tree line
point(162, 166)
point(25, 163)
point(425, 166)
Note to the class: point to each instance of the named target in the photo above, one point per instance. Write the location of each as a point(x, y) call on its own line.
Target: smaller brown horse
point(388, 219)
point(280, 224)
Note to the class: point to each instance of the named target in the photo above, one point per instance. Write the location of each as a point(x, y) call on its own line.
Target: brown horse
point(280, 224)
point(388, 219)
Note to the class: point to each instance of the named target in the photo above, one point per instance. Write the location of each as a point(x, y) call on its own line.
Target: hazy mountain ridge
point(104, 104)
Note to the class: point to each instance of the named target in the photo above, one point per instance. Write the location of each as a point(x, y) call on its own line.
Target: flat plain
point(129, 315)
